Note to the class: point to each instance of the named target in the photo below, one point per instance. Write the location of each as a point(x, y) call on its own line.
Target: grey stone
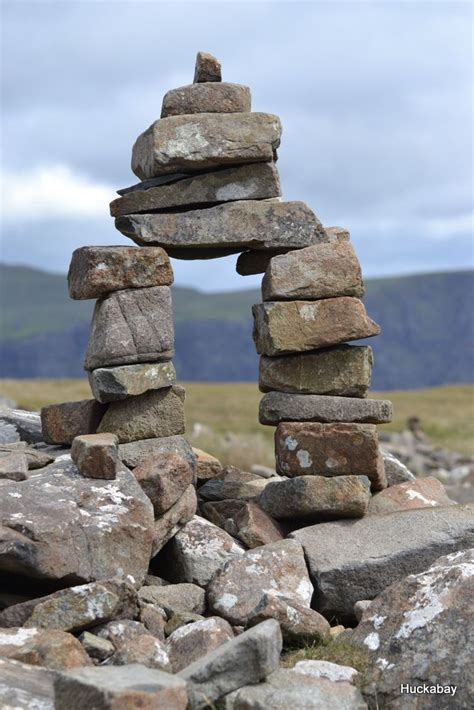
point(108, 688)
point(206, 98)
point(61, 423)
point(175, 598)
point(136, 452)
point(25, 687)
point(248, 658)
point(395, 471)
point(352, 560)
point(131, 326)
point(221, 510)
point(52, 648)
point(13, 465)
point(254, 527)
point(207, 68)
point(181, 618)
point(158, 413)
point(217, 489)
point(315, 498)
point(153, 619)
point(96, 455)
point(243, 182)
point(164, 479)
point(109, 384)
point(326, 669)
point(170, 522)
point(35, 458)
point(133, 643)
point(205, 141)
point(21, 425)
point(426, 492)
point(343, 371)
point(360, 607)
point(95, 646)
point(299, 625)
point(276, 407)
point(192, 641)
point(97, 271)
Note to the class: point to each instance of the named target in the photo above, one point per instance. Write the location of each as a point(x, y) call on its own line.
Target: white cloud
point(52, 191)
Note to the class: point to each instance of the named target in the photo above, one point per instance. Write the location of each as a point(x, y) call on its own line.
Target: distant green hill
point(427, 329)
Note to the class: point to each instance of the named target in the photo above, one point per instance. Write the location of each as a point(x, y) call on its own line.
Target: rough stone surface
point(109, 384)
point(263, 224)
point(24, 426)
point(192, 641)
point(360, 607)
point(255, 181)
point(96, 455)
point(153, 619)
point(60, 526)
point(207, 466)
point(164, 480)
point(206, 98)
point(176, 598)
point(205, 141)
point(221, 510)
point(299, 625)
point(13, 465)
point(34, 458)
point(254, 527)
point(158, 413)
point(96, 647)
point(181, 618)
point(227, 489)
point(97, 271)
point(25, 687)
point(61, 423)
point(207, 68)
point(314, 498)
point(352, 560)
point(395, 471)
point(52, 649)
point(198, 550)
point(312, 448)
point(423, 493)
point(343, 371)
point(134, 644)
point(137, 452)
point(326, 669)
point(169, 523)
point(276, 407)
point(238, 588)
point(248, 658)
point(109, 688)
point(324, 270)
point(283, 327)
point(131, 326)
point(75, 608)
point(420, 631)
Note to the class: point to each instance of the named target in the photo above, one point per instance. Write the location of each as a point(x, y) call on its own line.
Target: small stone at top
point(208, 68)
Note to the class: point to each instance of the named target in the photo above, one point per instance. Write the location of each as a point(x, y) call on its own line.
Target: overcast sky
point(375, 100)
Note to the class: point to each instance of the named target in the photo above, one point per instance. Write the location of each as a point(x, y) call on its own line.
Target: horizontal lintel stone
point(276, 407)
point(109, 384)
point(206, 97)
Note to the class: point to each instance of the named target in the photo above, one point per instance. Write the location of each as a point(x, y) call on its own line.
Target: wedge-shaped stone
point(312, 448)
point(97, 271)
point(25, 687)
point(299, 625)
point(244, 182)
point(110, 384)
point(192, 641)
point(344, 371)
point(207, 68)
point(61, 423)
point(206, 97)
point(138, 452)
point(164, 479)
point(38, 647)
point(203, 141)
point(159, 413)
point(131, 326)
point(235, 225)
point(276, 407)
point(321, 271)
point(175, 598)
point(295, 326)
point(169, 523)
point(352, 560)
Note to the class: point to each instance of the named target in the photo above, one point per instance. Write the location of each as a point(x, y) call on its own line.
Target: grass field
point(222, 418)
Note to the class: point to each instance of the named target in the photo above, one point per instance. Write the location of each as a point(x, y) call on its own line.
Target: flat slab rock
point(342, 371)
point(203, 141)
point(283, 327)
point(276, 407)
point(255, 181)
point(352, 560)
point(60, 526)
point(422, 493)
point(137, 452)
point(111, 384)
point(25, 687)
point(20, 425)
point(131, 326)
point(235, 225)
point(206, 97)
point(97, 271)
point(52, 648)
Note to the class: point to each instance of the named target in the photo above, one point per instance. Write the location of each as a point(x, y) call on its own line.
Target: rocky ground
point(179, 583)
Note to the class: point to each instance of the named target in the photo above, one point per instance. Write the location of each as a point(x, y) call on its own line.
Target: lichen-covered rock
point(238, 588)
point(299, 625)
point(326, 669)
point(276, 407)
point(192, 641)
point(61, 423)
point(174, 598)
point(136, 452)
point(164, 480)
point(422, 493)
point(52, 648)
point(109, 384)
point(25, 687)
point(20, 425)
point(395, 471)
point(133, 643)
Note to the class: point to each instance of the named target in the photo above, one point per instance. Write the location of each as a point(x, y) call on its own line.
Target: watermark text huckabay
point(427, 689)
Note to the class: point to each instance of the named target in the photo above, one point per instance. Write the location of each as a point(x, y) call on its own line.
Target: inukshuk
point(209, 187)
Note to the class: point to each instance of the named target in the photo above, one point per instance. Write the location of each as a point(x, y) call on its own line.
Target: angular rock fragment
point(207, 68)
point(324, 270)
point(303, 449)
point(227, 489)
point(13, 465)
point(136, 452)
point(175, 598)
point(205, 141)
point(326, 669)
point(238, 588)
point(97, 271)
point(206, 98)
point(392, 546)
point(343, 371)
point(153, 619)
point(207, 465)
point(181, 618)
point(158, 413)
point(198, 550)
point(283, 327)
point(254, 527)
point(395, 471)
point(52, 649)
point(255, 181)
point(134, 644)
point(131, 326)
point(109, 384)
point(221, 510)
point(25, 687)
point(96, 455)
point(164, 480)
point(193, 641)
point(422, 493)
point(262, 224)
point(35, 458)
point(24, 426)
point(96, 647)
point(315, 498)
point(299, 625)
point(276, 407)
point(61, 423)
point(248, 658)
point(169, 523)
point(109, 688)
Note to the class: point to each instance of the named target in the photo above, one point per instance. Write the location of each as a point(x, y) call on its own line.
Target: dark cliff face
point(427, 330)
